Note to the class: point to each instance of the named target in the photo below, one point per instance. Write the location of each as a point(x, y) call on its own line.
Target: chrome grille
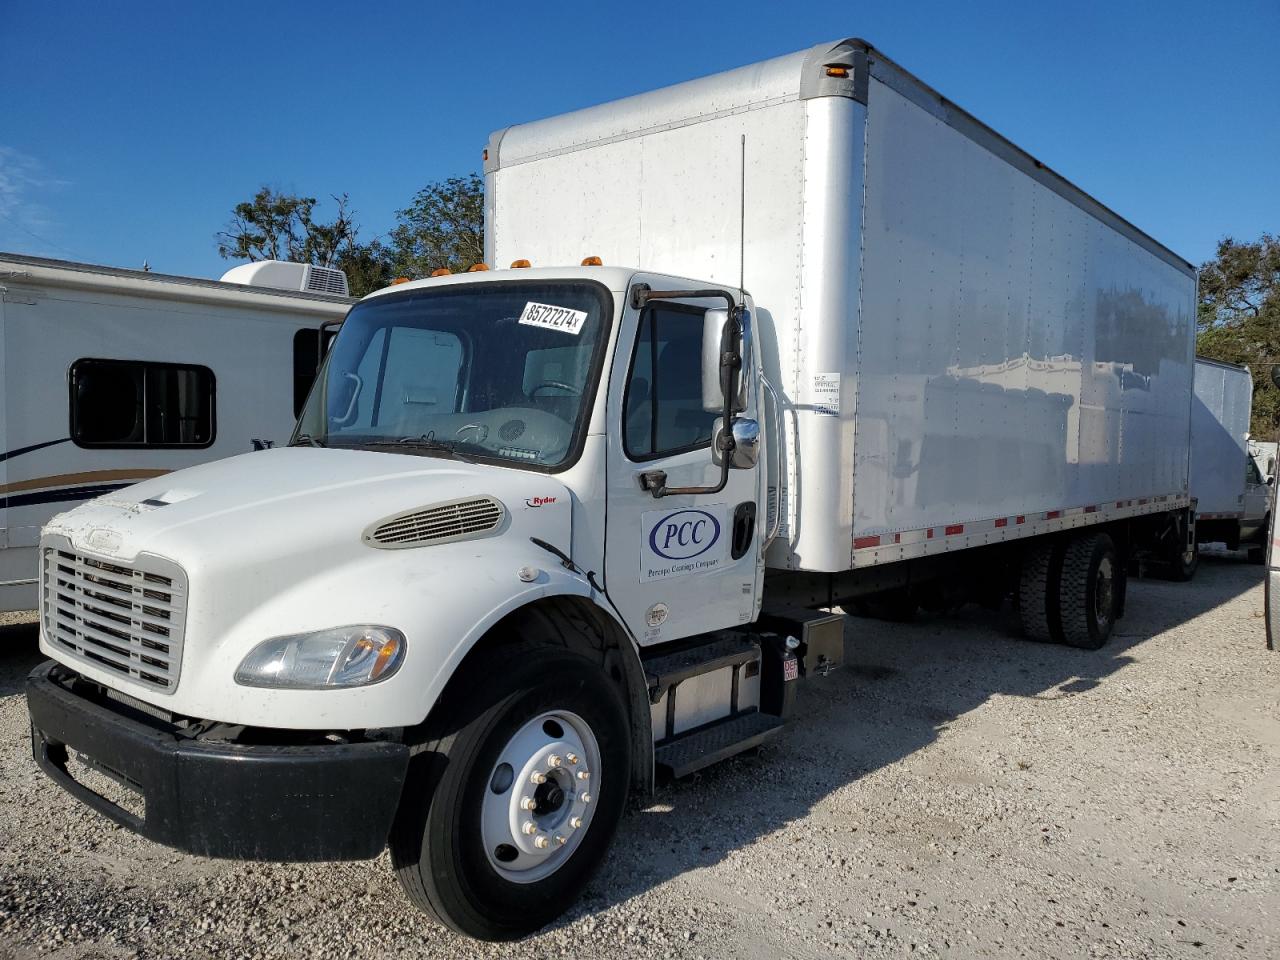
point(445, 522)
point(126, 619)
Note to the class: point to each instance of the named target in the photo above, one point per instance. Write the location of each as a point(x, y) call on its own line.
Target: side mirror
point(746, 443)
point(713, 348)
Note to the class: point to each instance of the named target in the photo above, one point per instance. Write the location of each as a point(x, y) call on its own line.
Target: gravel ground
point(951, 791)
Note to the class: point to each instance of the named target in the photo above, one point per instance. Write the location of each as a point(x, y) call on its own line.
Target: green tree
point(1238, 318)
point(281, 226)
point(443, 227)
point(367, 266)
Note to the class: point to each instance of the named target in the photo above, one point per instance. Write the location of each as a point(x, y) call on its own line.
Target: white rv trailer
point(1232, 496)
point(112, 376)
point(543, 532)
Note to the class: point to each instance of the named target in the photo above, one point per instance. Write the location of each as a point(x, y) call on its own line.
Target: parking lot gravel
point(951, 791)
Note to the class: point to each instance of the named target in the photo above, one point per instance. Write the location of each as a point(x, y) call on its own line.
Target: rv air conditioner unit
point(283, 275)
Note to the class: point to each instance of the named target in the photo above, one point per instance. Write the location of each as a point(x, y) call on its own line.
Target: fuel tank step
point(716, 741)
point(726, 649)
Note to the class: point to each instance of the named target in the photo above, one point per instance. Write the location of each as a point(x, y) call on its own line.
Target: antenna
point(742, 226)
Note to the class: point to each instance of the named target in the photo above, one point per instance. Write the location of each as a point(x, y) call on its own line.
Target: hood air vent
point(443, 523)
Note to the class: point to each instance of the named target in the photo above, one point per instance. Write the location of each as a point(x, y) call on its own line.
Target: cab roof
point(616, 279)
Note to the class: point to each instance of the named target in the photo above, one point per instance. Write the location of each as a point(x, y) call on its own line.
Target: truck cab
point(423, 620)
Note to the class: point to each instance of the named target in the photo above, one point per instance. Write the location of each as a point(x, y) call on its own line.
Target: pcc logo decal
point(682, 535)
point(679, 542)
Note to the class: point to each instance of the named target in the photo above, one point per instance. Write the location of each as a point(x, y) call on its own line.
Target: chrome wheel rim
point(1103, 588)
point(540, 796)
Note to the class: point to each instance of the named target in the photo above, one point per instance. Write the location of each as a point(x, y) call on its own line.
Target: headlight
point(338, 657)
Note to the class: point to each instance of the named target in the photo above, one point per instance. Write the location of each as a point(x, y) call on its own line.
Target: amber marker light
point(442, 272)
point(477, 268)
point(520, 264)
point(592, 262)
point(835, 70)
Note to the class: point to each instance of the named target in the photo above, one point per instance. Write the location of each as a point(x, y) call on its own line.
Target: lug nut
point(583, 775)
point(560, 841)
point(530, 828)
point(541, 841)
point(575, 822)
point(554, 760)
point(585, 798)
point(572, 757)
point(537, 777)
point(527, 803)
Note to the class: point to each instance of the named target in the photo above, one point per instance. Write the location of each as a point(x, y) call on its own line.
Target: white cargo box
point(1220, 438)
point(969, 348)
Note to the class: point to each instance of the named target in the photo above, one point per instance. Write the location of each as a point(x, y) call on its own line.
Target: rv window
point(123, 403)
point(662, 412)
point(309, 348)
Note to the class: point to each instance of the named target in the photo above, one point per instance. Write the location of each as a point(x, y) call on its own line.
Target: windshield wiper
point(306, 438)
point(426, 442)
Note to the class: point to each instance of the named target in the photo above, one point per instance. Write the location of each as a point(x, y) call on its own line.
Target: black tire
point(1257, 555)
point(1183, 568)
point(1037, 597)
point(436, 845)
point(1088, 591)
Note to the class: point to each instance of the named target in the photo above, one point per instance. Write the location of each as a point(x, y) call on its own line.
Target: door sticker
point(675, 543)
point(553, 317)
point(825, 395)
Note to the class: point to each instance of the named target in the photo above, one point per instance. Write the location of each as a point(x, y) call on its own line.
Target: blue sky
point(129, 131)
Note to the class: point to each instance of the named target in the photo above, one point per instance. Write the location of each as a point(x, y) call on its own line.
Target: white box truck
point(545, 532)
point(1231, 491)
point(112, 376)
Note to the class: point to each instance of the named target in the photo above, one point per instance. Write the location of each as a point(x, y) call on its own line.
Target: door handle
point(744, 529)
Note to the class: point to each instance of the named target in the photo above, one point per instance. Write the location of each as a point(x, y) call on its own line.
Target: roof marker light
point(837, 70)
point(477, 268)
point(399, 280)
point(520, 264)
point(442, 272)
point(592, 262)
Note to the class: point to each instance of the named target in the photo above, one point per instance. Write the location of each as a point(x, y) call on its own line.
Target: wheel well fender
point(578, 624)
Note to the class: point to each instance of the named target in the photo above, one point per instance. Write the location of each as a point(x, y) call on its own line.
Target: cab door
point(1257, 496)
point(680, 564)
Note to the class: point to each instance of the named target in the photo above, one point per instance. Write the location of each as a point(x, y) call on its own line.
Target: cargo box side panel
point(1017, 356)
point(667, 199)
point(1219, 437)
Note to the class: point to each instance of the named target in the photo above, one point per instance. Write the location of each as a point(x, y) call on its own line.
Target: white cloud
point(26, 223)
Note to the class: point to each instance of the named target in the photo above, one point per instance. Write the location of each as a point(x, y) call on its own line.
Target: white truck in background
point(1231, 491)
point(545, 532)
point(113, 376)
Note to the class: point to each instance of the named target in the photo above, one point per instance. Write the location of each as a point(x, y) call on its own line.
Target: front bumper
point(318, 801)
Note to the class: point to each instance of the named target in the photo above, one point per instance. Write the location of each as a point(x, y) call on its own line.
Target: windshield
point(496, 371)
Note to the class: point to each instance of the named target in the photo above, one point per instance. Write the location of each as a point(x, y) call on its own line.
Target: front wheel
point(514, 793)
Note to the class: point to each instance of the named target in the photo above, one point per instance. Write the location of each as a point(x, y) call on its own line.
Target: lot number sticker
point(676, 543)
point(553, 318)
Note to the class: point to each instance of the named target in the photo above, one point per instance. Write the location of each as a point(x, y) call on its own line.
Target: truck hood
point(288, 502)
point(279, 542)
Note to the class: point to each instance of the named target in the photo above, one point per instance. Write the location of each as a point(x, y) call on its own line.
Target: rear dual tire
point(1071, 591)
